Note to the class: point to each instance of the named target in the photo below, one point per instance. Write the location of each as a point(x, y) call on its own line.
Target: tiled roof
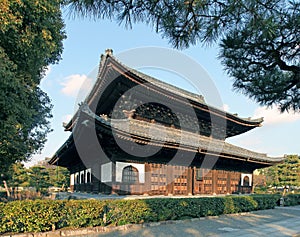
point(173, 89)
point(162, 134)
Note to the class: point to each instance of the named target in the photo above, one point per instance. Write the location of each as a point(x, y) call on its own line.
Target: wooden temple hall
point(134, 134)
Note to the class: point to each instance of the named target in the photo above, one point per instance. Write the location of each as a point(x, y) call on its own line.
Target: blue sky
point(88, 39)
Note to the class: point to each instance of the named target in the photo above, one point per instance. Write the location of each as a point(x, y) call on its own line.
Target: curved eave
point(55, 160)
point(228, 150)
point(61, 158)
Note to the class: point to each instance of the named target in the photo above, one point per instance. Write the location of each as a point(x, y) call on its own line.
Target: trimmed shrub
point(292, 200)
point(266, 201)
point(30, 216)
point(82, 213)
point(45, 215)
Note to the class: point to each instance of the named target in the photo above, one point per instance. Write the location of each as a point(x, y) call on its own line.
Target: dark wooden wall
point(163, 179)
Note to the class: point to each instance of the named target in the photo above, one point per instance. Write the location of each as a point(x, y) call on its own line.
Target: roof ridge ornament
point(109, 52)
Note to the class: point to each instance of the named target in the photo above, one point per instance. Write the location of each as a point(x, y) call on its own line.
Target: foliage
point(59, 176)
point(263, 55)
point(83, 213)
point(287, 173)
point(44, 215)
point(31, 34)
point(39, 177)
point(30, 216)
point(42, 177)
point(17, 176)
point(291, 200)
point(259, 39)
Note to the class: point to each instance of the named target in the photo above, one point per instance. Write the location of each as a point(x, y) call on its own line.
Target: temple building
point(134, 134)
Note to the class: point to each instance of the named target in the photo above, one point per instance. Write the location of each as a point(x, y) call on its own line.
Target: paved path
point(281, 221)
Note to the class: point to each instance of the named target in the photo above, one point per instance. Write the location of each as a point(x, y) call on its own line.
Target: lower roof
point(138, 131)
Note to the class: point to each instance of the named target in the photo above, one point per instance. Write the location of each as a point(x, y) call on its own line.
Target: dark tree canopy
point(263, 56)
point(31, 34)
point(259, 39)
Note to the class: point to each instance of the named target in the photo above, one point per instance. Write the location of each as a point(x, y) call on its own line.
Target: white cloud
point(273, 116)
point(76, 83)
point(226, 107)
point(66, 118)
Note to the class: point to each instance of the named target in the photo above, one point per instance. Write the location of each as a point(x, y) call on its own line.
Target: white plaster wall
point(80, 174)
point(106, 172)
point(72, 179)
point(75, 178)
point(121, 165)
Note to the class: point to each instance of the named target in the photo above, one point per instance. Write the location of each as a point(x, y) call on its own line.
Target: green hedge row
point(45, 215)
point(292, 200)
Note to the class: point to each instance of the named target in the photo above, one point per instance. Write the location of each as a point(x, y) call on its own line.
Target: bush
point(45, 215)
point(29, 216)
point(292, 200)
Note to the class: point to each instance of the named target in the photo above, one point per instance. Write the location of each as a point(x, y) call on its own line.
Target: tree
point(259, 39)
point(18, 176)
point(59, 177)
point(39, 178)
point(264, 55)
point(42, 177)
point(287, 173)
point(31, 34)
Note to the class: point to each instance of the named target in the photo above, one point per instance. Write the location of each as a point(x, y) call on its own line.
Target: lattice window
point(158, 179)
point(199, 174)
point(180, 179)
point(130, 174)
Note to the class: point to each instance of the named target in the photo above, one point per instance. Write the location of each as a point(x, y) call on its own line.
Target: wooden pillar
point(190, 181)
point(147, 186)
point(202, 182)
point(252, 186)
point(170, 180)
point(229, 182)
point(214, 181)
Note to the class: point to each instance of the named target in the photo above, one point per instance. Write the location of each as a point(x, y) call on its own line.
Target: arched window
point(246, 181)
point(88, 177)
point(82, 178)
point(77, 179)
point(130, 174)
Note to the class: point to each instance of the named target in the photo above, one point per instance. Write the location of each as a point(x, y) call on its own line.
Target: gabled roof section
point(108, 61)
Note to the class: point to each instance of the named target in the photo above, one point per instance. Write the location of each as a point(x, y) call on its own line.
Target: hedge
point(291, 200)
point(45, 215)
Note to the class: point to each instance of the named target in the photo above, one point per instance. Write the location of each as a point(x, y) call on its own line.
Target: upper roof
point(235, 125)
